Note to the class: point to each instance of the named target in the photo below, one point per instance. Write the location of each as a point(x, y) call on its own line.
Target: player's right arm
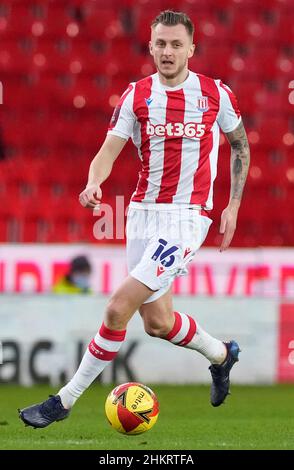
point(119, 131)
point(100, 169)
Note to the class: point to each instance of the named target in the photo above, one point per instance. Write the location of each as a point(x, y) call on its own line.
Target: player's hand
point(228, 224)
point(91, 197)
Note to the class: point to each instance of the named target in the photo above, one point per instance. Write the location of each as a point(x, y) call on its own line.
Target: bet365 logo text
point(176, 129)
point(166, 257)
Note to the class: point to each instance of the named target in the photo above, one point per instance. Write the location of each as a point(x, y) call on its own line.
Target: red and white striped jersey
point(176, 132)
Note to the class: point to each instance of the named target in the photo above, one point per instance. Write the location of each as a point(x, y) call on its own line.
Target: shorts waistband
point(166, 206)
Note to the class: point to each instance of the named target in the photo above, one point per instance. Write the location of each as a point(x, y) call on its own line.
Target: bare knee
point(117, 313)
point(156, 328)
point(158, 319)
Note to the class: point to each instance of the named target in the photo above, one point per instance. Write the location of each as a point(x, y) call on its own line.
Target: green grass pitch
point(252, 418)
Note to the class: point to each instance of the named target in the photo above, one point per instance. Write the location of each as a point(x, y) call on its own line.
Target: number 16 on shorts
point(166, 257)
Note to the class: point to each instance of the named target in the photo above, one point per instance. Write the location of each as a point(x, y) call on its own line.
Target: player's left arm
point(240, 160)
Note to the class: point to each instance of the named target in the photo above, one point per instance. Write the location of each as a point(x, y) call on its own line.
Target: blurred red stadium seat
point(13, 57)
point(272, 130)
point(250, 26)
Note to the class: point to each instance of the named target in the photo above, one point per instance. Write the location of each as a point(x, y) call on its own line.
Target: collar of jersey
point(177, 87)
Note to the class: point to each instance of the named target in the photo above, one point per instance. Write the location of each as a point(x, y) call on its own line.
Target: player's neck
point(173, 82)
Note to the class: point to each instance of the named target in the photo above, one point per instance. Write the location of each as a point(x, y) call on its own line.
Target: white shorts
point(161, 240)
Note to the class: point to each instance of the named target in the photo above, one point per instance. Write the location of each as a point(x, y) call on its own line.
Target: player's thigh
point(126, 300)
point(158, 314)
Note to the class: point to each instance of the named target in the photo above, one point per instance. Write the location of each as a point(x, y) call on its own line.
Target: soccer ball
point(132, 408)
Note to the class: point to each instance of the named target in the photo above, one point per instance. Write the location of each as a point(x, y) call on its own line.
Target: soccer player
point(173, 118)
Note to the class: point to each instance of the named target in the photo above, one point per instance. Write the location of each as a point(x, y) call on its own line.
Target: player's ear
point(191, 51)
point(150, 48)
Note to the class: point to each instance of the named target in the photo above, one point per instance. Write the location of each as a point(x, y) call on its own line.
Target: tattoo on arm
point(240, 159)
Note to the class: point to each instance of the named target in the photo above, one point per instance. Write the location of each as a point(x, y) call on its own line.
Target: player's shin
point(100, 352)
point(188, 334)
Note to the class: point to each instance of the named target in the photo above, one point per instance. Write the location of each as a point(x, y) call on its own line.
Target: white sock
point(101, 350)
point(187, 334)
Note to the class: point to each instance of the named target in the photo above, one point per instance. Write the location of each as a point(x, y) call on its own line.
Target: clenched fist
point(91, 196)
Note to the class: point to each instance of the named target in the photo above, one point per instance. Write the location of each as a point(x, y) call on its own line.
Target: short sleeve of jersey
point(123, 118)
point(229, 116)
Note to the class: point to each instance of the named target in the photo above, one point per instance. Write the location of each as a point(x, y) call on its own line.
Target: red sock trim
point(176, 328)
point(101, 353)
point(112, 335)
point(190, 334)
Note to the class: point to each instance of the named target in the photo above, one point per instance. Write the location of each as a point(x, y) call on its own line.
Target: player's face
point(171, 47)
